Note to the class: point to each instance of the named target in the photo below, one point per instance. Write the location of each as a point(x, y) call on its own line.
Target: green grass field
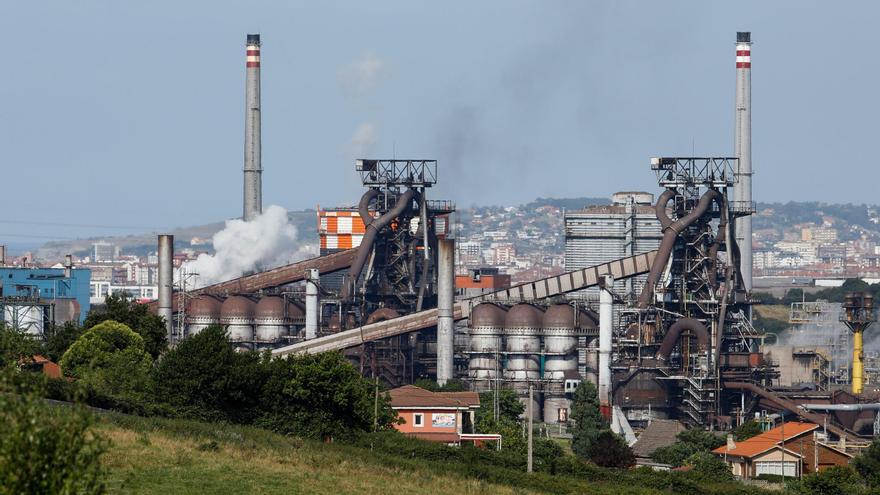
point(163, 456)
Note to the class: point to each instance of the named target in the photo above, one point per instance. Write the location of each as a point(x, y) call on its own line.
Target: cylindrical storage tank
point(522, 334)
point(485, 329)
point(203, 312)
point(237, 315)
point(296, 315)
point(270, 320)
point(560, 344)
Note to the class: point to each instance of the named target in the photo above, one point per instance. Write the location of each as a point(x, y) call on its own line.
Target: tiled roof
point(767, 440)
point(660, 433)
point(412, 396)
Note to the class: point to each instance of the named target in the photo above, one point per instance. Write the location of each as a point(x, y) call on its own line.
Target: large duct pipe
point(669, 235)
point(166, 281)
point(606, 306)
point(675, 332)
point(312, 278)
point(372, 230)
point(364, 206)
point(445, 301)
point(253, 167)
point(742, 142)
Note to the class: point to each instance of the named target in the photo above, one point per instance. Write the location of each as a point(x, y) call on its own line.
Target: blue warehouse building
point(65, 291)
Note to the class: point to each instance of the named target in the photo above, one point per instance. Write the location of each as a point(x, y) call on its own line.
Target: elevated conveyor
point(539, 289)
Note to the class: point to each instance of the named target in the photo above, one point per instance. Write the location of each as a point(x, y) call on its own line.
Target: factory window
point(418, 420)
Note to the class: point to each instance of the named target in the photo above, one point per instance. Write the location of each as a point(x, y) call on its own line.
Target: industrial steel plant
point(655, 305)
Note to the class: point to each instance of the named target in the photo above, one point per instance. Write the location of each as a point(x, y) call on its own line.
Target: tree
point(59, 338)
point(608, 449)
point(836, 480)
point(15, 344)
point(204, 378)
point(509, 408)
point(123, 309)
point(588, 420)
point(747, 430)
point(689, 442)
point(709, 466)
point(46, 449)
point(867, 464)
point(110, 360)
point(320, 396)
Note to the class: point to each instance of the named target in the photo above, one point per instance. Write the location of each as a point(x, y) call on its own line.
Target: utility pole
point(531, 398)
point(376, 407)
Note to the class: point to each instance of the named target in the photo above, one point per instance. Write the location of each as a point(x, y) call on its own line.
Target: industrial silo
point(486, 327)
point(522, 335)
point(560, 343)
point(296, 314)
point(203, 312)
point(587, 326)
point(237, 316)
point(270, 321)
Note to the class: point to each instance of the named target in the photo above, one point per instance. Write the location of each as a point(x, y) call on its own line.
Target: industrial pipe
point(660, 208)
point(606, 306)
point(668, 243)
point(312, 278)
point(445, 302)
point(370, 237)
point(166, 281)
point(675, 332)
point(364, 206)
point(858, 362)
point(381, 315)
point(873, 406)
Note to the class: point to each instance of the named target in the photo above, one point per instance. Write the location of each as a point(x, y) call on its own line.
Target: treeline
point(830, 294)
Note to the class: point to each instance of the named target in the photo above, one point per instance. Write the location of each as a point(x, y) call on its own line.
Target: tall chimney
point(445, 307)
point(166, 280)
point(606, 329)
point(742, 143)
point(253, 167)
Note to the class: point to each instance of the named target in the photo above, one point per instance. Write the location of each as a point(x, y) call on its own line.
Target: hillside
point(162, 456)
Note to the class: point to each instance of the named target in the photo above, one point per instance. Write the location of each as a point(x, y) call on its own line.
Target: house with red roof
point(791, 449)
point(446, 417)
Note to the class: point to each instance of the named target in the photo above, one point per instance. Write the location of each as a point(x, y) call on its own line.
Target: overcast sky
point(131, 113)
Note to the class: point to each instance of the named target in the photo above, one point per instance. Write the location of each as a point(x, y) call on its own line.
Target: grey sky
point(131, 113)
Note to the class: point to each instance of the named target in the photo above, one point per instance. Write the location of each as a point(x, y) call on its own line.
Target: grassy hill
point(162, 456)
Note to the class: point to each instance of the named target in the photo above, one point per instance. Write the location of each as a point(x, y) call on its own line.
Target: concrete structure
point(446, 417)
point(104, 251)
point(600, 234)
point(253, 167)
point(166, 282)
point(606, 329)
point(445, 303)
point(792, 449)
point(742, 143)
point(312, 279)
point(65, 294)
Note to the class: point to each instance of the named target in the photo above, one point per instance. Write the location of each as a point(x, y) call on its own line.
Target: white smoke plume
point(362, 141)
point(266, 242)
point(361, 77)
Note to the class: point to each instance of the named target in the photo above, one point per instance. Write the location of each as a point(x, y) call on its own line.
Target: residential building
point(104, 251)
point(791, 449)
point(446, 417)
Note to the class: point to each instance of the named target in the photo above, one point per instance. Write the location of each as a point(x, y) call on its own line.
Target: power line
point(80, 225)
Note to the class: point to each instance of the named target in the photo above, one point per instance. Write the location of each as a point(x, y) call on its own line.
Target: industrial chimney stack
point(253, 168)
point(742, 143)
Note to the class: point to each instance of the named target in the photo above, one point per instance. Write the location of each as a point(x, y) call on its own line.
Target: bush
point(709, 467)
point(45, 449)
point(59, 338)
point(123, 309)
point(747, 430)
point(16, 344)
point(204, 378)
point(867, 464)
point(610, 450)
point(836, 480)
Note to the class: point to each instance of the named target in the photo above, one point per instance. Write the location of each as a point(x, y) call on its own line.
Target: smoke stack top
point(743, 50)
point(253, 50)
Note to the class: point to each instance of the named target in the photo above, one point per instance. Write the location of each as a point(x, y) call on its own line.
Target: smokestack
point(2, 255)
point(742, 142)
point(445, 301)
point(312, 278)
point(68, 266)
point(253, 167)
point(166, 279)
point(606, 305)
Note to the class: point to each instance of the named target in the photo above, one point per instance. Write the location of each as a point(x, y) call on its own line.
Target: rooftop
point(412, 396)
point(767, 440)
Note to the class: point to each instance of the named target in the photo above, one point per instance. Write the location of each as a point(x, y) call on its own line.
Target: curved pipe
point(364, 206)
point(675, 332)
point(668, 242)
point(381, 315)
point(660, 208)
point(372, 230)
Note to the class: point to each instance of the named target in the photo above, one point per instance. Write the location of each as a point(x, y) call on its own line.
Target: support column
point(166, 281)
point(445, 302)
point(312, 278)
point(606, 305)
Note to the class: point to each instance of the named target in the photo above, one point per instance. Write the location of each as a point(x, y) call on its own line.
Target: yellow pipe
point(858, 367)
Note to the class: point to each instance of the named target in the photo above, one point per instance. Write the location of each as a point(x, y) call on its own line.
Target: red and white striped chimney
point(253, 167)
point(742, 143)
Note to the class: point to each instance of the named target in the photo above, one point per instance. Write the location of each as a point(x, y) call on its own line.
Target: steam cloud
point(362, 77)
point(362, 141)
point(266, 242)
